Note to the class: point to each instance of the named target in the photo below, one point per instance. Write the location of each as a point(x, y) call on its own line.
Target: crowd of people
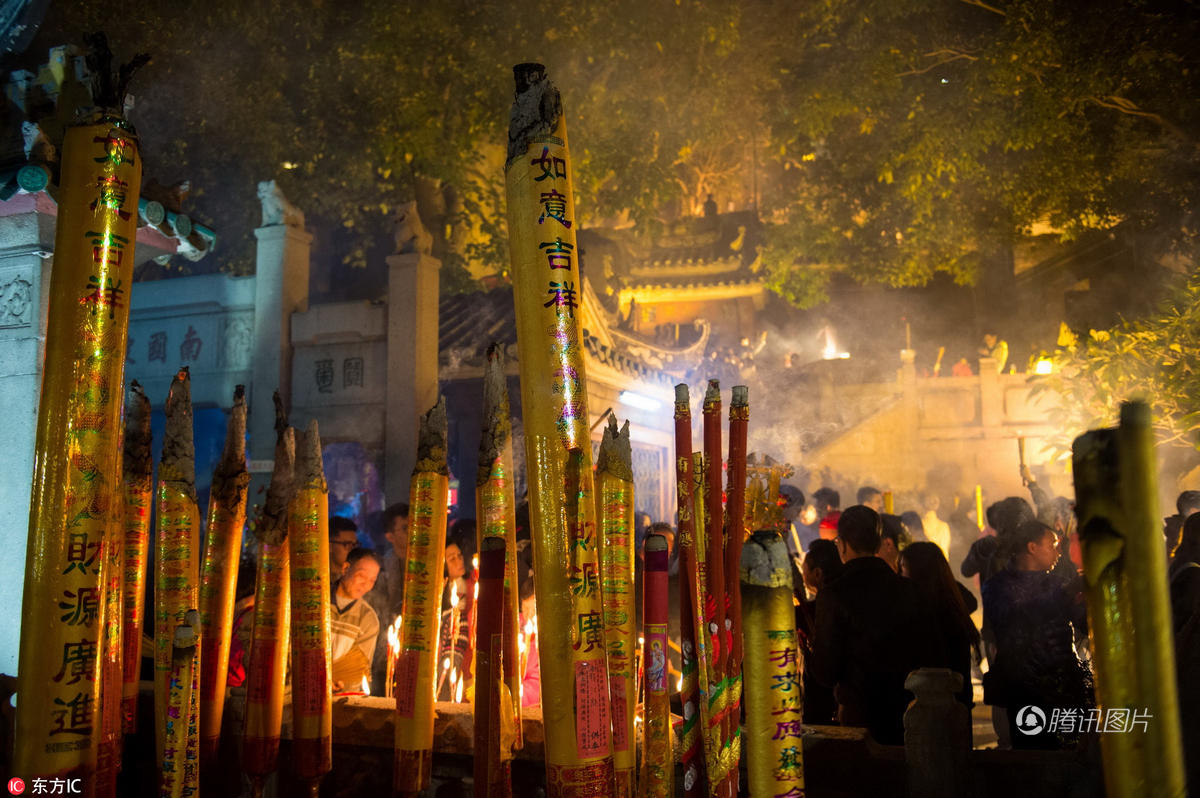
point(876, 598)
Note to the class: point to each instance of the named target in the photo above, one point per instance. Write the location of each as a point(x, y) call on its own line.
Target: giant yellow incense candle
point(546, 289)
point(177, 540)
point(218, 576)
point(137, 466)
point(1129, 609)
point(75, 488)
point(772, 668)
point(272, 615)
point(177, 778)
point(614, 475)
point(658, 762)
point(312, 683)
point(416, 664)
point(496, 510)
point(108, 762)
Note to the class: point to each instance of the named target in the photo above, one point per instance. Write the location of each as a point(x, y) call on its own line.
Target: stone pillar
point(991, 395)
point(280, 289)
point(937, 736)
point(26, 240)
point(412, 353)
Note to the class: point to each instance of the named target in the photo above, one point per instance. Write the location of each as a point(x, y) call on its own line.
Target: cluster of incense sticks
point(710, 542)
point(75, 493)
point(547, 288)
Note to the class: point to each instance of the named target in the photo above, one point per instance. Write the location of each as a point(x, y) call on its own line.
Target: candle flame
point(458, 694)
point(679, 684)
point(393, 636)
point(454, 593)
point(366, 686)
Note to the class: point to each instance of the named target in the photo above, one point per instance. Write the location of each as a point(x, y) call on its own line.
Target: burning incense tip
point(138, 459)
point(616, 452)
point(713, 392)
point(497, 428)
point(272, 526)
point(309, 470)
point(431, 441)
point(536, 109)
point(741, 396)
point(681, 394)
point(765, 560)
point(280, 413)
point(179, 452)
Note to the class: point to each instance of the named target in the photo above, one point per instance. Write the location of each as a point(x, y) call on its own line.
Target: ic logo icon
point(16, 786)
point(1031, 720)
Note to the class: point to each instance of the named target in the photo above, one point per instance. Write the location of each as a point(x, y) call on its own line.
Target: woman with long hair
point(1031, 613)
point(944, 603)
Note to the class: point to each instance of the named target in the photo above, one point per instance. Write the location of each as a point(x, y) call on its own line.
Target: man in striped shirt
point(353, 624)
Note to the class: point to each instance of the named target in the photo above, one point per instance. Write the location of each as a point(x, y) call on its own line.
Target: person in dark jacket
point(947, 607)
point(1185, 615)
point(1031, 615)
point(822, 565)
point(868, 634)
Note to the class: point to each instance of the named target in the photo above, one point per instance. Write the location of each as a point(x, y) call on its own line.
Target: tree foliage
point(888, 141)
point(1156, 359)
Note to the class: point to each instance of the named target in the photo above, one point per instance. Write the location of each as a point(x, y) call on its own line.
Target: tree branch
point(954, 55)
point(985, 7)
point(1131, 108)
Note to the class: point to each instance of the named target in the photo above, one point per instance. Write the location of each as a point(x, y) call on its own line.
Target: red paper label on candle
point(592, 726)
point(408, 664)
point(312, 691)
point(262, 668)
point(617, 691)
point(656, 658)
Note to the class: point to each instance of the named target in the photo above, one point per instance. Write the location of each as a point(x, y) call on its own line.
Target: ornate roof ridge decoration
point(717, 281)
point(674, 360)
point(662, 267)
point(469, 322)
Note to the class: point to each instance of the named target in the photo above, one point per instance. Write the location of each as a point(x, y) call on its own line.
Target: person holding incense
point(353, 624)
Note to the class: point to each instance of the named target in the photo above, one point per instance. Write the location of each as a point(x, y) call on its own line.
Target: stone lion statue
point(276, 209)
point(411, 235)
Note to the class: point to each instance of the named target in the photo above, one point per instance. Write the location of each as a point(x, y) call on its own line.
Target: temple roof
point(469, 323)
